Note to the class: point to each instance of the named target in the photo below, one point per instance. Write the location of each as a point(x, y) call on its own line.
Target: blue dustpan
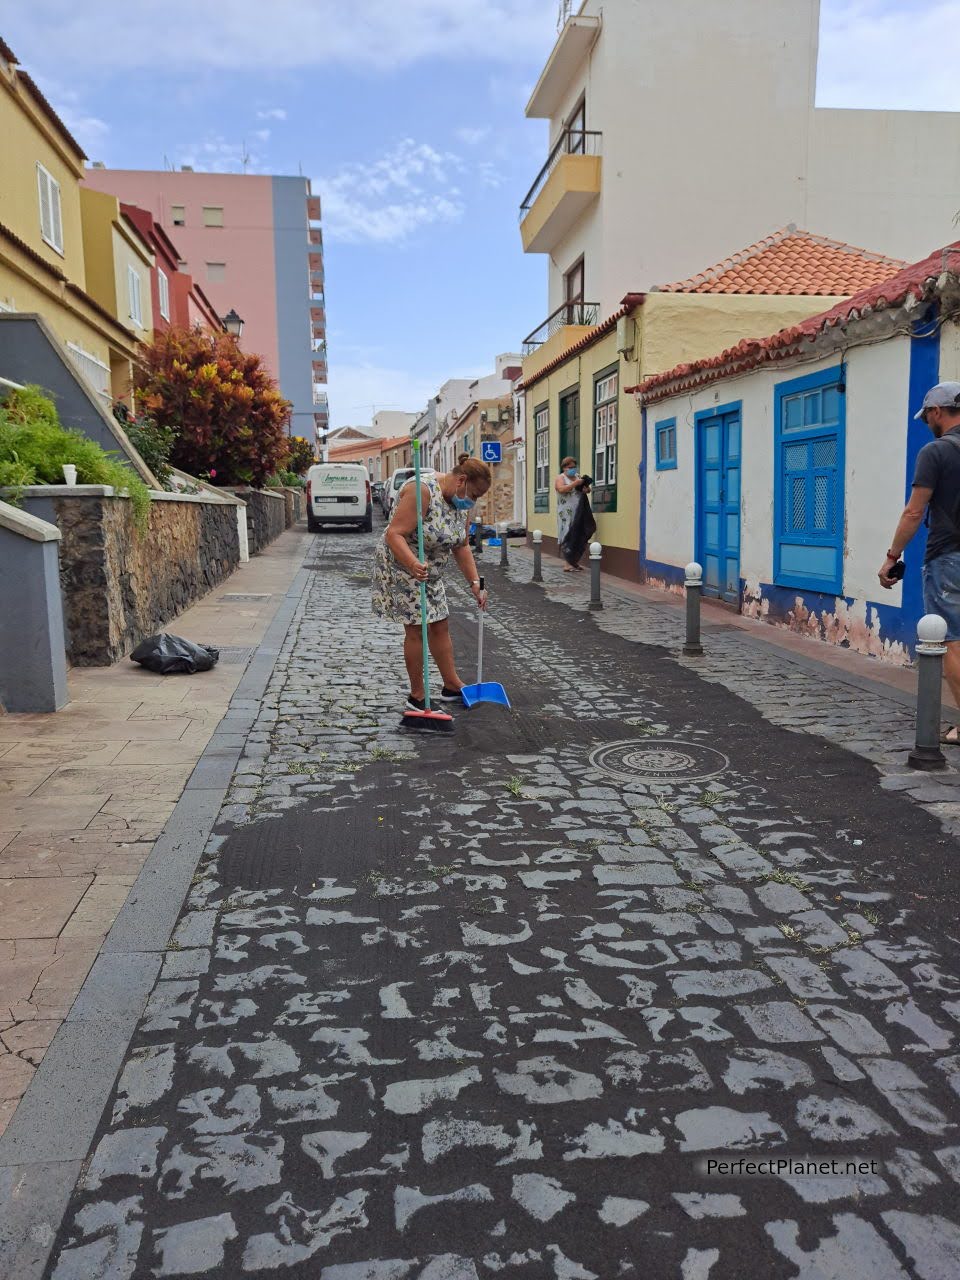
point(483, 691)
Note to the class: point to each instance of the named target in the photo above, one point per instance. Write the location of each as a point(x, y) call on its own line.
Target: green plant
point(229, 418)
point(302, 455)
point(15, 475)
point(31, 437)
point(153, 442)
point(515, 786)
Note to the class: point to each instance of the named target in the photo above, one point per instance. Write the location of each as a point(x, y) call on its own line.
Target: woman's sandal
point(950, 736)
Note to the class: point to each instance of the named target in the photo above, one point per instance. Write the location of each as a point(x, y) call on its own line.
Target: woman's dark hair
point(568, 462)
point(478, 473)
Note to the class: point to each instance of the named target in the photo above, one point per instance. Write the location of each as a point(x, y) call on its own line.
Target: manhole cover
point(663, 760)
point(233, 654)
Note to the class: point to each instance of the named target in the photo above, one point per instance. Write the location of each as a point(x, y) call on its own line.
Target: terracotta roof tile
point(792, 262)
point(918, 279)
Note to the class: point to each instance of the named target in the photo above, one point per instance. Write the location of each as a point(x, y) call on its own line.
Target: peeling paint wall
point(865, 618)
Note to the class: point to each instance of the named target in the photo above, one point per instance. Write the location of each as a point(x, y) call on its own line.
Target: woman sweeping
point(397, 572)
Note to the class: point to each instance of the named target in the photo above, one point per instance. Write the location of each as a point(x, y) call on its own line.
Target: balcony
point(576, 39)
point(316, 298)
point(315, 237)
point(313, 208)
point(564, 188)
point(315, 259)
point(320, 397)
point(559, 331)
point(318, 331)
point(319, 345)
point(320, 369)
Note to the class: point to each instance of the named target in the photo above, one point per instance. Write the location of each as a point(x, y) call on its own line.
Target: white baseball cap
point(945, 395)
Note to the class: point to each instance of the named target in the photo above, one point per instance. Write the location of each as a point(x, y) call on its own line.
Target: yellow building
point(42, 251)
point(578, 379)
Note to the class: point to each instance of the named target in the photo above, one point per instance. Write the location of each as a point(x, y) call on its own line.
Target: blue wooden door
point(718, 503)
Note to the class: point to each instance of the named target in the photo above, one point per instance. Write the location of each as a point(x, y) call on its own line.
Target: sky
point(407, 116)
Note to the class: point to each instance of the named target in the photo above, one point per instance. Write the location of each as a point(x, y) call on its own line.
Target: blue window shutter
point(809, 483)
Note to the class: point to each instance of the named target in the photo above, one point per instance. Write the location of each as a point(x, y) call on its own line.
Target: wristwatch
point(474, 582)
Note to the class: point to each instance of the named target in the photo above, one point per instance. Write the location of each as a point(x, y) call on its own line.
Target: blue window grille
point(809, 482)
point(666, 453)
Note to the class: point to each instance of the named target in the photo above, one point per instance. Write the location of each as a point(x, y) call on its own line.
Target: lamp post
point(233, 323)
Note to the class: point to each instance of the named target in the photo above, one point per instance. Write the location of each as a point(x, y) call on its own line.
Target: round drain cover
point(659, 760)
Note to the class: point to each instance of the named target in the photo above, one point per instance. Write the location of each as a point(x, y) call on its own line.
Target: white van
point(339, 493)
point(396, 483)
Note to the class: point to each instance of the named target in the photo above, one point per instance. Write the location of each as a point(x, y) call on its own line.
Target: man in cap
point(936, 489)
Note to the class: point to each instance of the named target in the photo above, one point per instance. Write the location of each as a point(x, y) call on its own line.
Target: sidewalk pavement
point(481, 1006)
point(901, 681)
point(85, 793)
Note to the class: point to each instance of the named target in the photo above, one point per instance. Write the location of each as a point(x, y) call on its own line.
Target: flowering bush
point(302, 456)
point(153, 442)
point(229, 418)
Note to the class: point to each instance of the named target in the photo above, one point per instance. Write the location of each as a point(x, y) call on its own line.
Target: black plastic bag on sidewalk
point(582, 528)
point(172, 655)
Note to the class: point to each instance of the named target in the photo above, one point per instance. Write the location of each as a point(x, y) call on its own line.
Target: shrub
point(228, 416)
point(302, 456)
point(34, 444)
point(153, 442)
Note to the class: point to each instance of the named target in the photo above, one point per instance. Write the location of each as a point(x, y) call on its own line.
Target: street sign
point(491, 451)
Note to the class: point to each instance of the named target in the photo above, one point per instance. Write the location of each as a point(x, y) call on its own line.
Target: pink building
point(253, 245)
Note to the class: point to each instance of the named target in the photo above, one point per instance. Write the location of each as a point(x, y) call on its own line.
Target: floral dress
point(567, 504)
point(395, 594)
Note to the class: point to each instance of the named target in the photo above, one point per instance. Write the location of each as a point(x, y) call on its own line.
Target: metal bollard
point(931, 633)
point(693, 585)
point(502, 528)
point(596, 551)
point(537, 555)
point(478, 539)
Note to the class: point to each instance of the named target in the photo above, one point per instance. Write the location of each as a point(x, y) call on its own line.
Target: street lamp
point(233, 323)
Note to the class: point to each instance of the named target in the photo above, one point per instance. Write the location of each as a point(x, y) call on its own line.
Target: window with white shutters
point(133, 289)
point(163, 288)
point(51, 221)
point(541, 427)
point(605, 396)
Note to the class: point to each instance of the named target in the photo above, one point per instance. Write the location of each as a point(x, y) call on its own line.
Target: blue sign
point(491, 451)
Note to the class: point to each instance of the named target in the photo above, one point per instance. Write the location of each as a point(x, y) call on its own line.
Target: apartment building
point(254, 245)
point(679, 131)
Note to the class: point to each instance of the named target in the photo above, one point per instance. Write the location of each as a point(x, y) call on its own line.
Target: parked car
point(396, 483)
point(376, 492)
point(339, 493)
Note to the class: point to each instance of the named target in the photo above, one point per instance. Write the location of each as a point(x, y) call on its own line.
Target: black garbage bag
point(582, 528)
point(172, 655)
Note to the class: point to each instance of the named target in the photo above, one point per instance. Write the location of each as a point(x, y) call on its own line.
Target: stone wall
point(266, 515)
point(293, 499)
point(120, 585)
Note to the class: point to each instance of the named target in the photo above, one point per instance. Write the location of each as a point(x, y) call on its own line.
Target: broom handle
point(480, 645)
point(423, 585)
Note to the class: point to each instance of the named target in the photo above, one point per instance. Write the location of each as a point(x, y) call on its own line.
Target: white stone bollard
point(931, 634)
point(693, 587)
point(502, 530)
point(596, 552)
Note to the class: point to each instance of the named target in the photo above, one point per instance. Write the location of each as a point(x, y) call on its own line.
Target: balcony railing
point(316, 296)
point(572, 142)
point(571, 313)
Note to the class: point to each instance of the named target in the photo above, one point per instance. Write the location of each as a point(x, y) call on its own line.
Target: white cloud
point(362, 387)
point(386, 201)
point(216, 154)
point(473, 137)
point(884, 54)
point(297, 33)
point(272, 113)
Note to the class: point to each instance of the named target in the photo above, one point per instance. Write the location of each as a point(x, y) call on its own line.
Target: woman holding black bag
point(575, 522)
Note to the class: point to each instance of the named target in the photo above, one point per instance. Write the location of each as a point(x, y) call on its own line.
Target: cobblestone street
point(451, 1008)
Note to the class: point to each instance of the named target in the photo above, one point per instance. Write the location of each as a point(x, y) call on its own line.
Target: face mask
point(463, 504)
point(572, 472)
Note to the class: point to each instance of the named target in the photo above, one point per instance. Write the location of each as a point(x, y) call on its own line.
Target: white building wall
point(877, 385)
point(711, 141)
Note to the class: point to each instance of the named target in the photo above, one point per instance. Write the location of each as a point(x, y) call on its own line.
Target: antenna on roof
point(566, 8)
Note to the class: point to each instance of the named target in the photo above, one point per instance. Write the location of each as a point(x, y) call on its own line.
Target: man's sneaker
point(450, 695)
point(419, 704)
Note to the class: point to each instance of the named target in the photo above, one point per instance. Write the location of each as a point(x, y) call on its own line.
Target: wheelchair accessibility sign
point(491, 451)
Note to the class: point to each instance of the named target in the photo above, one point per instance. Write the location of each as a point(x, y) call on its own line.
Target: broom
point(426, 720)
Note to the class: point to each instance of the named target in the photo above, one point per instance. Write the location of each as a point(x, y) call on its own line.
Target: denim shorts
point(941, 590)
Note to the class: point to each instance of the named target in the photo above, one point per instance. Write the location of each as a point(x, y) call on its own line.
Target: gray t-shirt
point(938, 468)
